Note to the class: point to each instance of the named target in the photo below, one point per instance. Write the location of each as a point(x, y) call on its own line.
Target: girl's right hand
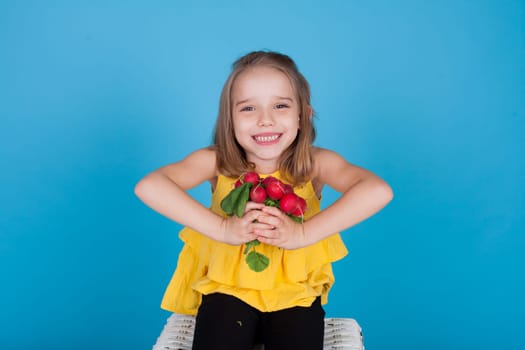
point(237, 231)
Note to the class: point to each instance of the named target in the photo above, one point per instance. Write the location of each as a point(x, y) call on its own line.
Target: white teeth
point(266, 138)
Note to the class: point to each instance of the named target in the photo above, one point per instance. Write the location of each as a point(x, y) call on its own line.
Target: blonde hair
point(296, 162)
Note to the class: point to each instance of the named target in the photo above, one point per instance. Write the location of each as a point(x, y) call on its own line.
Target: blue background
point(430, 95)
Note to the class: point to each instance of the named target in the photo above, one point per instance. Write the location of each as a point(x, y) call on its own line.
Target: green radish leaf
point(271, 202)
point(230, 203)
point(296, 218)
point(256, 261)
point(251, 244)
point(243, 198)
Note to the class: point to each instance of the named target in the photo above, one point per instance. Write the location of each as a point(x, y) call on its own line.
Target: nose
point(265, 119)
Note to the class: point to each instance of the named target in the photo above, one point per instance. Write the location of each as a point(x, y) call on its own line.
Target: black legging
point(225, 322)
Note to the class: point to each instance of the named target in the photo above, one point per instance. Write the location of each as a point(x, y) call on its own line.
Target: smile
point(266, 138)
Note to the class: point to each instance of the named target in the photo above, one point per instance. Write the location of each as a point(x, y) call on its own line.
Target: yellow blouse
point(293, 278)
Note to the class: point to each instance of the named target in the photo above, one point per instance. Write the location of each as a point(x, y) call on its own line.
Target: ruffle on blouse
point(293, 277)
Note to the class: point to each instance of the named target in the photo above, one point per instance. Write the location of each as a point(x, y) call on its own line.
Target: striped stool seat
point(339, 333)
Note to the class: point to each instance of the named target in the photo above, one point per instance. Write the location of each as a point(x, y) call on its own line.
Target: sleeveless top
point(293, 278)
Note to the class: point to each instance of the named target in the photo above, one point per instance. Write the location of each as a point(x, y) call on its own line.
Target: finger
point(269, 219)
point(251, 215)
point(253, 206)
point(249, 237)
point(272, 211)
point(268, 234)
point(268, 240)
point(261, 226)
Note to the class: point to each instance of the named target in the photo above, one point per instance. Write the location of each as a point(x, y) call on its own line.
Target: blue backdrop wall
point(430, 95)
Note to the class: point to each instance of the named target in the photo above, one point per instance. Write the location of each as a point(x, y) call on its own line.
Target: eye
point(247, 109)
point(281, 106)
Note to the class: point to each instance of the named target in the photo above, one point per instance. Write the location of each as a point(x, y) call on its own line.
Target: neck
point(266, 169)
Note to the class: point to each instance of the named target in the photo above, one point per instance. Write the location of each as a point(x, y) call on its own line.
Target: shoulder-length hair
point(296, 162)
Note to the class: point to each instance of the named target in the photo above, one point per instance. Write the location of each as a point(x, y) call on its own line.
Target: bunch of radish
point(270, 191)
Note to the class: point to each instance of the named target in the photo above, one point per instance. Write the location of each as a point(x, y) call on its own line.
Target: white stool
point(339, 333)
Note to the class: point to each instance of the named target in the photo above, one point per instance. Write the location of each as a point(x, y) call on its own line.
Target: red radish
point(289, 202)
point(267, 180)
point(251, 177)
point(301, 207)
point(238, 183)
point(288, 189)
point(275, 189)
point(258, 194)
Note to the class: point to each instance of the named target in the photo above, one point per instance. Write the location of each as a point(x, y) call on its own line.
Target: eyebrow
point(285, 98)
point(279, 97)
point(241, 102)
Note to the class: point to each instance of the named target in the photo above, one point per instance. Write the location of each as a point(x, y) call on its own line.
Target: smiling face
point(265, 114)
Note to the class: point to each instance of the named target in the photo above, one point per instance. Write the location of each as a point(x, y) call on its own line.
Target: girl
point(265, 126)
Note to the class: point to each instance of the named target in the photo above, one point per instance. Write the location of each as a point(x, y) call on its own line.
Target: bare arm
point(164, 190)
point(362, 195)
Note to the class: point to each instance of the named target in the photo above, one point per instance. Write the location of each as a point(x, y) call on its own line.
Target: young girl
point(265, 126)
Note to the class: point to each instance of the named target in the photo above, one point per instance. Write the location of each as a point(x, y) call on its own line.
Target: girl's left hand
point(286, 233)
